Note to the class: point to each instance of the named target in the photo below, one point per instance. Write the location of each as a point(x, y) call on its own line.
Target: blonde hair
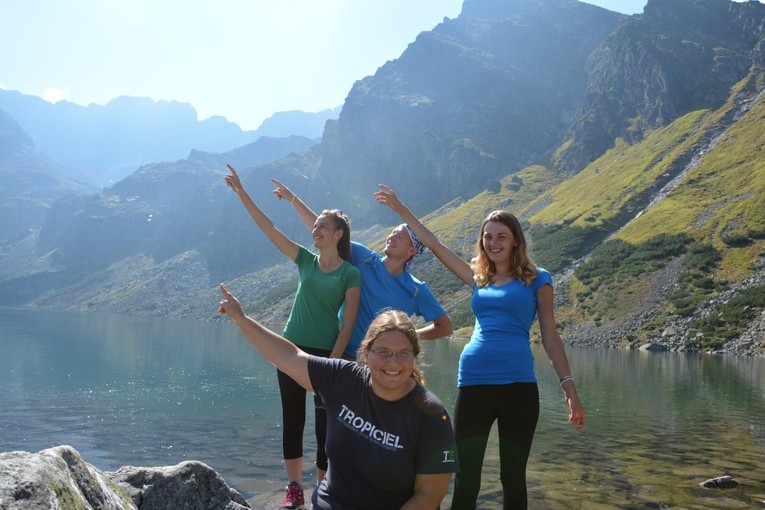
point(521, 265)
point(392, 320)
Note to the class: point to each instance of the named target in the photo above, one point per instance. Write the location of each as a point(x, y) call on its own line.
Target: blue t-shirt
point(499, 352)
point(380, 290)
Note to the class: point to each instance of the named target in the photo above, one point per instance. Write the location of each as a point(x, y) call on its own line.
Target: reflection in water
point(150, 392)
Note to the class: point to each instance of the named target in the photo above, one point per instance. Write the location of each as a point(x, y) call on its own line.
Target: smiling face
point(324, 232)
point(498, 242)
point(391, 361)
point(399, 244)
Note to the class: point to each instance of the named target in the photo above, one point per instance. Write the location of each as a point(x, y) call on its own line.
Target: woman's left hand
point(387, 196)
point(576, 415)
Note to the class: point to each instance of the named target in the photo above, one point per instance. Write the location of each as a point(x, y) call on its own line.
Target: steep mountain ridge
point(469, 120)
point(677, 57)
point(476, 98)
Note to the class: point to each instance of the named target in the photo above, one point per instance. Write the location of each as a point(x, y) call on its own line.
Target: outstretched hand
point(232, 180)
point(387, 196)
point(229, 305)
point(282, 191)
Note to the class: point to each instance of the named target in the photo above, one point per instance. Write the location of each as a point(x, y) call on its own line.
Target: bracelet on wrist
point(292, 200)
point(565, 378)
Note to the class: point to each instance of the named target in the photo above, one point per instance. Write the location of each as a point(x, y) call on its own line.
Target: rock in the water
point(60, 478)
point(720, 482)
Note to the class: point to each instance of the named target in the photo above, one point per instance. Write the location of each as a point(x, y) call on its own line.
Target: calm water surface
point(155, 392)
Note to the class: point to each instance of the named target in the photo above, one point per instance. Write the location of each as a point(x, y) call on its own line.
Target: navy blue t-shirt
point(377, 447)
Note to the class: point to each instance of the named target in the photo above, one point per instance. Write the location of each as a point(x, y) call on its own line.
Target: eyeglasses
point(405, 355)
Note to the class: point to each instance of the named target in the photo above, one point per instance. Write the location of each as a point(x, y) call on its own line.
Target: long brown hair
point(392, 320)
point(521, 265)
point(341, 222)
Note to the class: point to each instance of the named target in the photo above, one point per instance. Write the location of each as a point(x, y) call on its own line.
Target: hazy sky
point(242, 59)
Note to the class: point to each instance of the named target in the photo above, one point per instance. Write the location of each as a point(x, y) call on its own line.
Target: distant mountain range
point(631, 147)
point(103, 144)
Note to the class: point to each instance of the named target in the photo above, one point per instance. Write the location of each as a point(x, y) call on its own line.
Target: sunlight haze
point(243, 60)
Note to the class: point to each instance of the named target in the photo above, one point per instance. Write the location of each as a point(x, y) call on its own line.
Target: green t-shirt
point(313, 321)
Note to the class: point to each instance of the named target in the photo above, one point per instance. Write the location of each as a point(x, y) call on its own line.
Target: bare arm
point(350, 309)
point(556, 351)
point(439, 328)
point(429, 491)
point(278, 350)
point(448, 258)
point(283, 243)
point(306, 214)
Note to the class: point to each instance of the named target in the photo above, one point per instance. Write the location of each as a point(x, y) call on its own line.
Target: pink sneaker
point(293, 498)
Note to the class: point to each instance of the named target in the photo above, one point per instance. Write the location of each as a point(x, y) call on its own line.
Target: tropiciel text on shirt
point(366, 428)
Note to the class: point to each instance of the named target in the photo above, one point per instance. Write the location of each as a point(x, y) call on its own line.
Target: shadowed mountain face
point(677, 57)
point(477, 98)
point(161, 210)
point(29, 181)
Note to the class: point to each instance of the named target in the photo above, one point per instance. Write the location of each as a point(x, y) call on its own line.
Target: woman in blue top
point(496, 370)
point(327, 283)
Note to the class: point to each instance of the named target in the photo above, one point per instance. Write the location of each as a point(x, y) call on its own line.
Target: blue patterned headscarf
point(418, 245)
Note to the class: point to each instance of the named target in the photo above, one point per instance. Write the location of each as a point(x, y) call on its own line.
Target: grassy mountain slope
point(684, 212)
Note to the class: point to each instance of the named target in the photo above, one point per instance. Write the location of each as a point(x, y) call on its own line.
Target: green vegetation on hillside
point(569, 220)
point(607, 189)
point(729, 319)
point(617, 259)
point(720, 200)
point(555, 246)
point(608, 283)
point(696, 284)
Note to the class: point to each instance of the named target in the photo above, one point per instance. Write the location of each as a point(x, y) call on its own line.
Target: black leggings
point(293, 416)
point(515, 408)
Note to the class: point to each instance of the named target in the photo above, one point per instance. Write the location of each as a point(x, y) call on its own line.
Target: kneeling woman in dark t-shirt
point(390, 441)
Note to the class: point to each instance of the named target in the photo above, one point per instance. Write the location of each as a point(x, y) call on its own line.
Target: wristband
point(566, 378)
point(292, 200)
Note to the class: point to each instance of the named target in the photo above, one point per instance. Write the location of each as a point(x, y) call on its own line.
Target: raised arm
point(278, 350)
point(556, 351)
point(283, 243)
point(306, 214)
point(448, 258)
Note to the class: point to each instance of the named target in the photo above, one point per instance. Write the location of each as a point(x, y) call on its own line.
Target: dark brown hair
point(341, 222)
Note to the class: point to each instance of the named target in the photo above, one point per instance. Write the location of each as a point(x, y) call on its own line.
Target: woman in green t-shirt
point(327, 281)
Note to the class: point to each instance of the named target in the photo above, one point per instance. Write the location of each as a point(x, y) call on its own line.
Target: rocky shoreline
point(676, 335)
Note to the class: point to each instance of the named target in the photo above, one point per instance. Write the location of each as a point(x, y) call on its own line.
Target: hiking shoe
point(293, 497)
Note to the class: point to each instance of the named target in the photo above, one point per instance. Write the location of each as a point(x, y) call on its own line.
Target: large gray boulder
point(190, 485)
point(60, 478)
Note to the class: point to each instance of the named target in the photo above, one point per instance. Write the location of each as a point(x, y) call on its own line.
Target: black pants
point(293, 416)
point(515, 408)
